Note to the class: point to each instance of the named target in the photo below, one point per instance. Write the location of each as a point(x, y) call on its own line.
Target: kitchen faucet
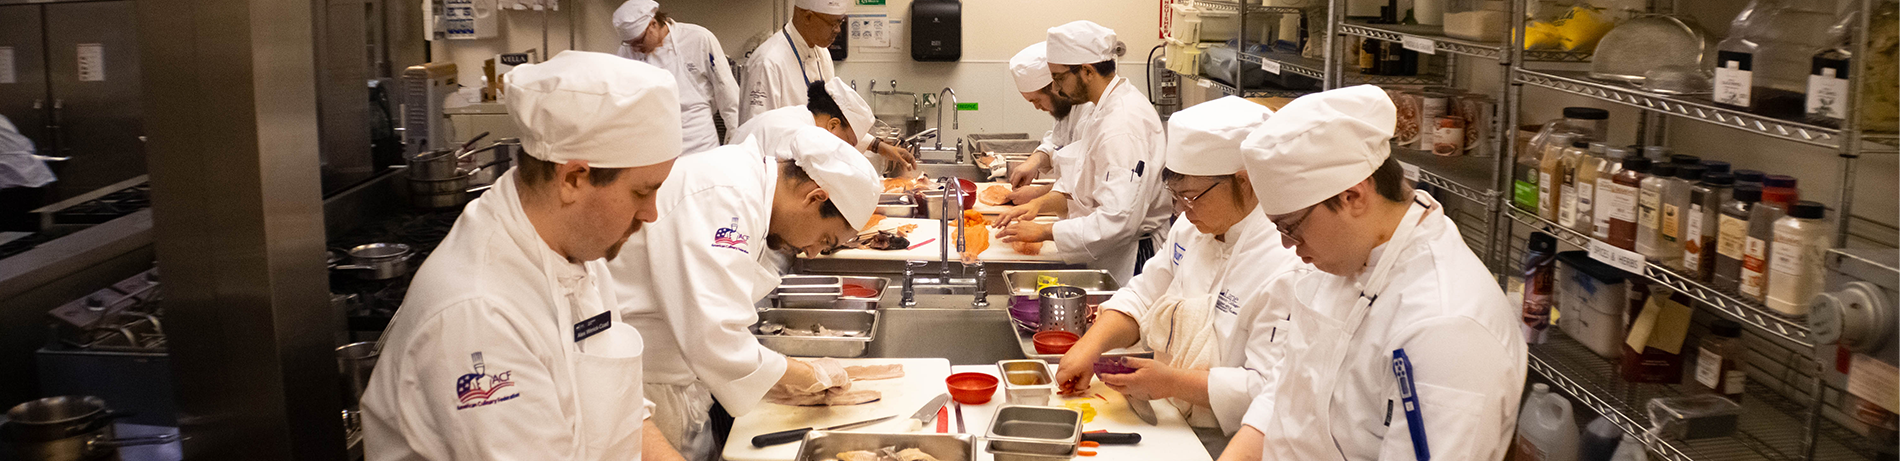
point(955, 120)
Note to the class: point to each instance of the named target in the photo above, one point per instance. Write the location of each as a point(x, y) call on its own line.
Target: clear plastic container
point(1572, 159)
point(1477, 20)
point(1705, 205)
point(1719, 359)
point(1611, 164)
point(1761, 238)
point(1624, 203)
point(1795, 267)
point(1785, 56)
point(1675, 209)
point(1550, 177)
point(1594, 123)
point(1731, 238)
point(1781, 190)
point(1734, 67)
point(1649, 206)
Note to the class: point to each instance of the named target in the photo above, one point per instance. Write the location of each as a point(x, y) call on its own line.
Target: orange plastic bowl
point(971, 388)
point(1054, 341)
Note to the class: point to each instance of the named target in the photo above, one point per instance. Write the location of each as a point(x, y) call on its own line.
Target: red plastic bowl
point(971, 388)
point(1054, 341)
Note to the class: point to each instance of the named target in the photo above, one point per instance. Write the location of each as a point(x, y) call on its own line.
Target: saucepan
point(379, 261)
point(437, 194)
point(68, 428)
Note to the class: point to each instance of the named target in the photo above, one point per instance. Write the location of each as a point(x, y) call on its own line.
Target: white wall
point(994, 30)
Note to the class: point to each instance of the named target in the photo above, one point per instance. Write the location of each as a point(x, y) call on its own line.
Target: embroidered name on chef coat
point(729, 237)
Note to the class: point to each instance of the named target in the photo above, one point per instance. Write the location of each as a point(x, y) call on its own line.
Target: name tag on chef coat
point(592, 326)
point(1227, 303)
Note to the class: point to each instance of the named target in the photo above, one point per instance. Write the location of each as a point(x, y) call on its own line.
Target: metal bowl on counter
point(826, 445)
point(837, 333)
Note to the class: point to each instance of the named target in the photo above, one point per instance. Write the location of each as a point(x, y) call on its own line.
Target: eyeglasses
point(1289, 228)
point(1188, 202)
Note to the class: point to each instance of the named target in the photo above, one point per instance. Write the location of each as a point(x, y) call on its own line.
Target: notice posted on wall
point(7, 73)
point(871, 31)
point(92, 62)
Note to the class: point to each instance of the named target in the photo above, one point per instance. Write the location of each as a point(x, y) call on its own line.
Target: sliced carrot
point(1091, 443)
point(1086, 453)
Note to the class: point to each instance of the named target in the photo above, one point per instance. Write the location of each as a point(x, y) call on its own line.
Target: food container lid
point(1749, 194)
point(1807, 209)
point(1586, 113)
point(1581, 260)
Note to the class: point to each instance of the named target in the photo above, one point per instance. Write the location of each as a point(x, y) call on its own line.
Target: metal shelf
point(1228, 90)
point(1289, 62)
point(1440, 42)
point(1464, 176)
point(1355, 78)
point(1747, 312)
point(1690, 107)
point(1771, 427)
point(1230, 6)
point(1557, 56)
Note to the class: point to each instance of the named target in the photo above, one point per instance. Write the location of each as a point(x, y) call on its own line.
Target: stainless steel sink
point(944, 326)
point(956, 170)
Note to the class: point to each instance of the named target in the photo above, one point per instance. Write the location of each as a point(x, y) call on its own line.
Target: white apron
point(1303, 408)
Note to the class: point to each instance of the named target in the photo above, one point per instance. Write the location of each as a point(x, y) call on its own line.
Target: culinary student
point(833, 106)
point(1113, 201)
point(1029, 69)
point(793, 58)
point(1197, 304)
point(688, 283)
point(1403, 347)
point(697, 62)
point(507, 345)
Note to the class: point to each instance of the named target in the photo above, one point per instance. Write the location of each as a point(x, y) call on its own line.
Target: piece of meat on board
point(875, 372)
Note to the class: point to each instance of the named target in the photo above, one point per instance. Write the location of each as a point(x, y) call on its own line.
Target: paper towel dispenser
point(936, 30)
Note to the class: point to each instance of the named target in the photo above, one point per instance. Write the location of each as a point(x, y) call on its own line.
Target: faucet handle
point(982, 287)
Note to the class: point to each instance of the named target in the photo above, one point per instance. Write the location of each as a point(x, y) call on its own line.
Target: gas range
point(369, 304)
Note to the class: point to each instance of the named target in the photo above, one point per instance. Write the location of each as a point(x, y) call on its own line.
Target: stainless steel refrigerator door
point(93, 67)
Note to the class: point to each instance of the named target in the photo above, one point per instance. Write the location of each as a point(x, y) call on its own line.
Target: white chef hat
point(1030, 67)
point(611, 112)
point(1318, 146)
point(632, 17)
point(1080, 42)
point(856, 111)
point(1204, 140)
point(850, 181)
point(832, 7)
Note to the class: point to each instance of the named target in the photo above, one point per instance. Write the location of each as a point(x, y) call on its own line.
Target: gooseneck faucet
point(955, 121)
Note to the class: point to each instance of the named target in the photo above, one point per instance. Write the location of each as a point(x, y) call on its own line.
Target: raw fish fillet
point(993, 195)
point(875, 372)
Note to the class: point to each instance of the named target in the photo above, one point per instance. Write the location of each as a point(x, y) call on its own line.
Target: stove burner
point(376, 300)
point(106, 208)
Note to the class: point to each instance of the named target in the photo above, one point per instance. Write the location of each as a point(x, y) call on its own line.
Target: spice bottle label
point(1754, 267)
point(1671, 223)
point(1827, 88)
point(1650, 205)
point(1733, 236)
point(1623, 203)
point(1789, 257)
point(1734, 77)
point(1708, 369)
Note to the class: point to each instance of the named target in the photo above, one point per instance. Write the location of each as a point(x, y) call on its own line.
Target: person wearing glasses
point(1195, 304)
point(688, 283)
point(1403, 345)
point(1113, 203)
point(788, 62)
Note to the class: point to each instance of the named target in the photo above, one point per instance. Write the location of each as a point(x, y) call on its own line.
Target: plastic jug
point(1599, 440)
point(1546, 430)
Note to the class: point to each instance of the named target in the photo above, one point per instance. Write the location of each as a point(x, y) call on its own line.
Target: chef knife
point(928, 412)
point(794, 435)
point(1142, 409)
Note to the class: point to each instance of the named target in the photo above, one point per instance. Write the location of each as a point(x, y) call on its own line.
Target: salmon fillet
point(995, 194)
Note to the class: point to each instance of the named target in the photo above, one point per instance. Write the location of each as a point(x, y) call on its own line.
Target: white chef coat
point(776, 125)
point(688, 283)
point(780, 71)
point(1444, 310)
point(1230, 274)
point(1064, 132)
point(1111, 206)
point(706, 84)
point(481, 362)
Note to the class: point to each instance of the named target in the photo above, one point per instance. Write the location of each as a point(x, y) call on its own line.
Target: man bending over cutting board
point(689, 282)
point(1196, 305)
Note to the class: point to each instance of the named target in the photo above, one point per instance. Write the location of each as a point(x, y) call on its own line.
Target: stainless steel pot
point(67, 428)
point(437, 194)
point(447, 163)
point(355, 361)
point(379, 261)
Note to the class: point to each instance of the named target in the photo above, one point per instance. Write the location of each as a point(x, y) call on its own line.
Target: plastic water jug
point(1546, 430)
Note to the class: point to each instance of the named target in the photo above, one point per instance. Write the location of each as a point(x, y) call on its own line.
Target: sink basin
point(955, 170)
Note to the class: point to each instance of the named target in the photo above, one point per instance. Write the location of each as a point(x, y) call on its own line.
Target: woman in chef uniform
point(1030, 70)
point(1196, 305)
point(507, 345)
point(1403, 347)
point(688, 283)
point(797, 56)
point(833, 106)
point(1113, 201)
point(697, 62)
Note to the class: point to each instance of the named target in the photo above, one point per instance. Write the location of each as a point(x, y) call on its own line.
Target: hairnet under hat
point(1204, 140)
point(856, 111)
point(831, 7)
point(631, 19)
point(846, 177)
point(1318, 146)
point(609, 111)
point(1030, 68)
point(1080, 42)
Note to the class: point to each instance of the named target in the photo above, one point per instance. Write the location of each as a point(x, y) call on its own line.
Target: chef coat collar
point(1255, 223)
point(1424, 225)
point(508, 210)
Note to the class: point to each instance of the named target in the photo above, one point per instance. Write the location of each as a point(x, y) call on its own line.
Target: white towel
point(1181, 332)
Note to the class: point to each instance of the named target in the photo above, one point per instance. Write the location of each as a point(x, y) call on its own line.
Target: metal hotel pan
point(827, 292)
point(861, 325)
point(1034, 433)
point(825, 445)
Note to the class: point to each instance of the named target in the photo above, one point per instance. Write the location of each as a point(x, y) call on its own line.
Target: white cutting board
point(1169, 439)
point(927, 231)
point(923, 380)
point(989, 209)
